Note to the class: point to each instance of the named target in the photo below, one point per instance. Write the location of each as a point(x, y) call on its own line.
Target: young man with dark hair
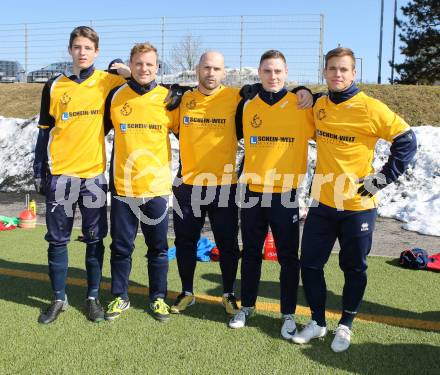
point(276, 135)
point(348, 125)
point(140, 179)
point(69, 167)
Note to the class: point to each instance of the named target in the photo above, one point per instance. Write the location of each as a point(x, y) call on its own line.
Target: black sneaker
point(52, 312)
point(95, 312)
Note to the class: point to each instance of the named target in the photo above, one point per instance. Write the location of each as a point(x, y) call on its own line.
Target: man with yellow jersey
point(348, 125)
point(206, 184)
point(140, 179)
point(276, 135)
point(69, 165)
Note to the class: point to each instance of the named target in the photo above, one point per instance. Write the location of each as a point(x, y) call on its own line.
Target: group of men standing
point(77, 111)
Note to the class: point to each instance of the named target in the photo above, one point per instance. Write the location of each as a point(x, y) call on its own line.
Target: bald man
point(206, 182)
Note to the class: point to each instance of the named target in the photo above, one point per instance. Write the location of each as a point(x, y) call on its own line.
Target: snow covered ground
point(414, 198)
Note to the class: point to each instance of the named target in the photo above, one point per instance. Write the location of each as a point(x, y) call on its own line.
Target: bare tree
point(186, 53)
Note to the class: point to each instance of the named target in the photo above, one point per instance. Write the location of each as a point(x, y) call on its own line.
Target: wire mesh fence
point(180, 41)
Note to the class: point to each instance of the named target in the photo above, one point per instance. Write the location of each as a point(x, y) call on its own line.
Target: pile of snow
point(414, 198)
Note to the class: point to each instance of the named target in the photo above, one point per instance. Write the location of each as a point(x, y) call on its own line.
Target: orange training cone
point(270, 251)
point(28, 219)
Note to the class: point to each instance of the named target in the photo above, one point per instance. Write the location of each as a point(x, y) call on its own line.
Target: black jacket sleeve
point(403, 149)
point(108, 124)
point(45, 124)
point(239, 119)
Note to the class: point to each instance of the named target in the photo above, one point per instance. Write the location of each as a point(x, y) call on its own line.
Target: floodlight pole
point(394, 41)
point(380, 43)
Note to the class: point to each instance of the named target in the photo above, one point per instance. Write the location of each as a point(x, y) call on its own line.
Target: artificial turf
point(199, 341)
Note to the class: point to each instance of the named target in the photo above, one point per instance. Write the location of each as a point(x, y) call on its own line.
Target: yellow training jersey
point(346, 135)
point(142, 150)
point(276, 144)
point(207, 137)
point(76, 141)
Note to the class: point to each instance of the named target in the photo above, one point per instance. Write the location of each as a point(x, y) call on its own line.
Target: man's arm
point(403, 149)
point(305, 97)
point(45, 123)
point(389, 126)
point(175, 93)
point(108, 124)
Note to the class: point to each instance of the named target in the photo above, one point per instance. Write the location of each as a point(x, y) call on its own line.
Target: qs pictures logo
point(126, 109)
point(256, 122)
point(65, 99)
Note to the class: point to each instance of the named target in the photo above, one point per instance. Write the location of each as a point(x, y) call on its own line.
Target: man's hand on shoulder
point(248, 92)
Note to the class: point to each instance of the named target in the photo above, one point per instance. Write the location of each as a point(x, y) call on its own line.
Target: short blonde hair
point(339, 52)
point(143, 47)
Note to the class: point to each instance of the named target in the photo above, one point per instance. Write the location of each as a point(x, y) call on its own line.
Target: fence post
point(162, 62)
point(25, 49)
point(321, 49)
point(241, 49)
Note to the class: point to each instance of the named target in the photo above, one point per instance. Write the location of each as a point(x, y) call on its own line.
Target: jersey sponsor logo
point(364, 227)
point(191, 104)
point(321, 114)
point(294, 218)
point(213, 122)
point(126, 110)
point(65, 99)
point(153, 127)
point(334, 138)
point(270, 140)
point(256, 122)
point(66, 115)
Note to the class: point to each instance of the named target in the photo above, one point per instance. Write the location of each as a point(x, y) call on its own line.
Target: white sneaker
point(288, 330)
point(239, 319)
point(310, 331)
point(341, 342)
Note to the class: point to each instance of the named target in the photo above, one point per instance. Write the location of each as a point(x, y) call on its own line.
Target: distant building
point(43, 74)
point(11, 71)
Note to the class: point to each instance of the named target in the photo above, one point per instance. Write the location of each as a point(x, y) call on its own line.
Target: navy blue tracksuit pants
point(354, 230)
point(64, 193)
point(284, 222)
point(124, 219)
point(192, 204)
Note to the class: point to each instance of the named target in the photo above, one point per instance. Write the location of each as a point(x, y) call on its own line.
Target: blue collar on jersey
point(141, 89)
point(83, 74)
point(272, 97)
point(341, 96)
